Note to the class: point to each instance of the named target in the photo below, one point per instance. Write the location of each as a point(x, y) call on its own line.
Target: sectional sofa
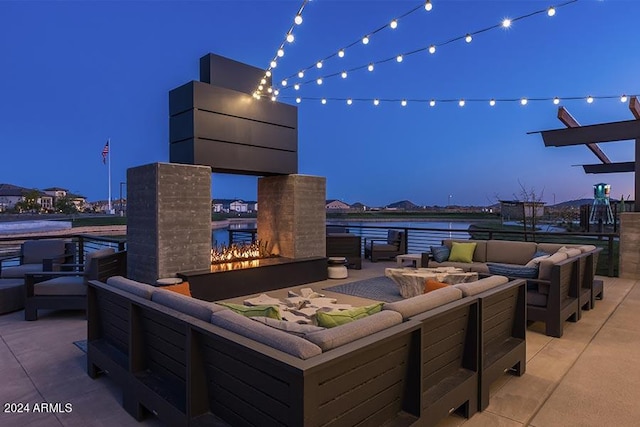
point(192, 362)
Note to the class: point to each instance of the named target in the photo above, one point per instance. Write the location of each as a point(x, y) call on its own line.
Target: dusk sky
point(75, 73)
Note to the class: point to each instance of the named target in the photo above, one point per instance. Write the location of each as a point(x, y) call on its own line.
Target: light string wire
point(288, 38)
point(501, 24)
point(358, 41)
point(463, 101)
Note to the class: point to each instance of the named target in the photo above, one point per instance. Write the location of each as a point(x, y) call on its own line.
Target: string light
point(298, 100)
point(296, 86)
point(432, 103)
point(428, 6)
point(403, 102)
point(268, 73)
point(300, 74)
point(319, 81)
point(492, 102)
point(260, 87)
point(468, 37)
point(590, 99)
point(524, 101)
point(551, 11)
point(290, 38)
point(263, 81)
point(298, 19)
point(269, 89)
point(324, 101)
point(376, 102)
point(349, 101)
point(623, 98)
point(365, 40)
point(283, 83)
point(556, 101)
point(319, 64)
point(399, 58)
point(370, 67)
point(276, 92)
point(343, 74)
point(393, 24)
point(280, 53)
point(341, 53)
point(274, 64)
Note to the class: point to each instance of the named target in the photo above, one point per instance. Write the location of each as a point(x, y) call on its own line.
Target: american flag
point(105, 152)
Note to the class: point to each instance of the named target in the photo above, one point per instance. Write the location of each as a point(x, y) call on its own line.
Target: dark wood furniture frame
point(375, 252)
point(345, 245)
point(190, 372)
point(100, 268)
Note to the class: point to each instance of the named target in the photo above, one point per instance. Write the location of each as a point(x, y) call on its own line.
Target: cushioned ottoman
point(12, 294)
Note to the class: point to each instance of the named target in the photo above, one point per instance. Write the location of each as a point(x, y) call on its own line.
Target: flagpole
point(109, 160)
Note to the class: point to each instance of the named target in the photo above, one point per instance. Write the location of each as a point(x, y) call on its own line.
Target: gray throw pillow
point(440, 253)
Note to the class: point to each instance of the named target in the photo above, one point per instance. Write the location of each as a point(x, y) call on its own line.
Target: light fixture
point(298, 100)
point(590, 99)
point(319, 64)
point(269, 89)
point(468, 38)
point(370, 67)
point(319, 81)
point(284, 83)
point(461, 103)
point(273, 98)
point(403, 102)
point(296, 86)
point(290, 38)
point(506, 23)
point(551, 11)
point(524, 101)
point(492, 102)
point(432, 48)
point(300, 74)
point(399, 58)
point(376, 101)
point(428, 6)
point(260, 87)
point(298, 19)
point(276, 92)
point(365, 40)
point(343, 74)
point(324, 101)
point(623, 98)
point(393, 24)
point(432, 103)
point(280, 53)
point(268, 73)
point(263, 81)
point(274, 64)
point(349, 101)
point(556, 100)
point(341, 53)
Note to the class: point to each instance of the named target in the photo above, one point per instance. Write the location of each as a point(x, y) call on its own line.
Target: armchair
point(67, 290)
point(38, 256)
point(394, 245)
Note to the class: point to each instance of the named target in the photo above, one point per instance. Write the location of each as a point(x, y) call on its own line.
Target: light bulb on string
point(296, 86)
point(298, 100)
point(556, 100)
point(273, 98)
point(461, 103)
point(551, 11)
point(399, 58)
point(432, 48)
point(269, 89)
point(343, 74)
point(324, 101)
point(263, 81)
point(283, 83)
point(290, 38)
point(590, 99)
point(623, 98)
point(341, 53)
point(319, 80)
point(319, 64)
point(376, 102)
point(280, 53)
point(468, 38)
point(276, 92)
point(260, 87)
point(393, 24)
point(432, 103)
point(492, 102)
point(268, 73)
point(403, 102)
point(349, 101)
point(300, 74)
point(370, 67)
point(428, 6)
point(365, 40)
point(274, 64)
point(524, 101)
point(506, 23)
point(298, 19)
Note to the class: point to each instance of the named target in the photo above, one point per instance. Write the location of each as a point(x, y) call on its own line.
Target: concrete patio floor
point(588, 377)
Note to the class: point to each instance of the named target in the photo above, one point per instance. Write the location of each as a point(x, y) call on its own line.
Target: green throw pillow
point(330, 319)
point(462, 252)
point(271, 311)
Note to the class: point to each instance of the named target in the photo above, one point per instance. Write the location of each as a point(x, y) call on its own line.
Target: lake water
point(36, 226)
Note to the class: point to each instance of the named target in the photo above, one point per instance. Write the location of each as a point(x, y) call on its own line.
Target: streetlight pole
point(121, 210)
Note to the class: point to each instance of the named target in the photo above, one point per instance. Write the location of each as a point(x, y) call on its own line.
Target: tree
point(29, 202)
point(65, 205)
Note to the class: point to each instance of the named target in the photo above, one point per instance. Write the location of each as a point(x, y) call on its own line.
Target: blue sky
point(75, 73)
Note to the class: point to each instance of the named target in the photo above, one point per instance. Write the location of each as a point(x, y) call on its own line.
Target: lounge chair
point(394, 245)
point(38, 256)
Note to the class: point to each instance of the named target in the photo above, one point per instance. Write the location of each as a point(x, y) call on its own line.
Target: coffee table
point(411, 281)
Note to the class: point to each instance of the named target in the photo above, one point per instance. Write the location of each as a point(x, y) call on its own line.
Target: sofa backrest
point(545, 266)
point(510, 252)
point(552, 248)
point(191, 306)
point(411, 306)
point(473, 288)
point(34, 251)
point(479, 254)
point(139, 289)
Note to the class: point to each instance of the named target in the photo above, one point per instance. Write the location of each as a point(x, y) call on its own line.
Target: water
point(35, 226)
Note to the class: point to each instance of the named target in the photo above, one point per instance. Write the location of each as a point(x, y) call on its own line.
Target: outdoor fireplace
point(244, 252)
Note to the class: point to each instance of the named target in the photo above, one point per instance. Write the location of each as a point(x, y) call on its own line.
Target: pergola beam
point(610, 167)
point(634, 107)
point(567, 119)
point(606, 132)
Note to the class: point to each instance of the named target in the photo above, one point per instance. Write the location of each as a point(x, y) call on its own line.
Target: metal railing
point(420, 239)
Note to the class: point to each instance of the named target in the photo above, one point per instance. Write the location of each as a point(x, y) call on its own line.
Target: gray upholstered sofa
point(191, 361)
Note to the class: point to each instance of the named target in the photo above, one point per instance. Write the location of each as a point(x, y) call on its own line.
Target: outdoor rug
point(82, 345)
point(377, 288)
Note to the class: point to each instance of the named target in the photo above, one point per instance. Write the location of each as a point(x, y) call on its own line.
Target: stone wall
point(291, 215)
point(630, 245)
point(168, 220)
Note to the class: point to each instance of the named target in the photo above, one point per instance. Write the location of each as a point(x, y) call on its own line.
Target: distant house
point(516, 210)
point(12, 194)
point(238, 206)
point(336, 204)
point(359, 206)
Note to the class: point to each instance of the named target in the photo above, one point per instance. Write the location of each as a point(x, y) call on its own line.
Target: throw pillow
point(440, 253)
point(432, 285)
point(300, 330)
point(330, 319)
point(462, 252)
point(536, 260)
point(513, 270)
point(271, 311)
point(540, 253)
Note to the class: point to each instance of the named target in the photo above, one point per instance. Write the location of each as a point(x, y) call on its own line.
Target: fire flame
point(234, 252)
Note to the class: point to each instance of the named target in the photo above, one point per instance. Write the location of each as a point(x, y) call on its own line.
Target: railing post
point(230, 231)
point(406, 241)
point(80, 250)
point(610, 260)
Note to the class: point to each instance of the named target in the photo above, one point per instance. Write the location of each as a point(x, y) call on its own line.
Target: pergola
point(592, 135)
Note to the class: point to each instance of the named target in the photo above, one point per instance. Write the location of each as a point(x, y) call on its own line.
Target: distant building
point(516, 210)
point(336, 204)
point(12, 194)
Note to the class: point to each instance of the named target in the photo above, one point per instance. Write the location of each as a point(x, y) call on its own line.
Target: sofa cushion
point(464, 266)
point(19, 271)
point(297, 329)
point(462, 252)
point(272, 311)
point(552, 248)
point(287, 343)
point(571, 252)
point(344, 334)
point(544, 268)
point(537, 299)
point(535, 261)
point(191, 306)
point(432, 285)
point(510, 252)
point(331, 319)
point(139, 289)
point(474, 288)
point(479, 267)
point(587, 248)
point(440, 253)
point(65, 285)
point(421, 303)
point(34, 251)
point(511, 270)
point(479, 255)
